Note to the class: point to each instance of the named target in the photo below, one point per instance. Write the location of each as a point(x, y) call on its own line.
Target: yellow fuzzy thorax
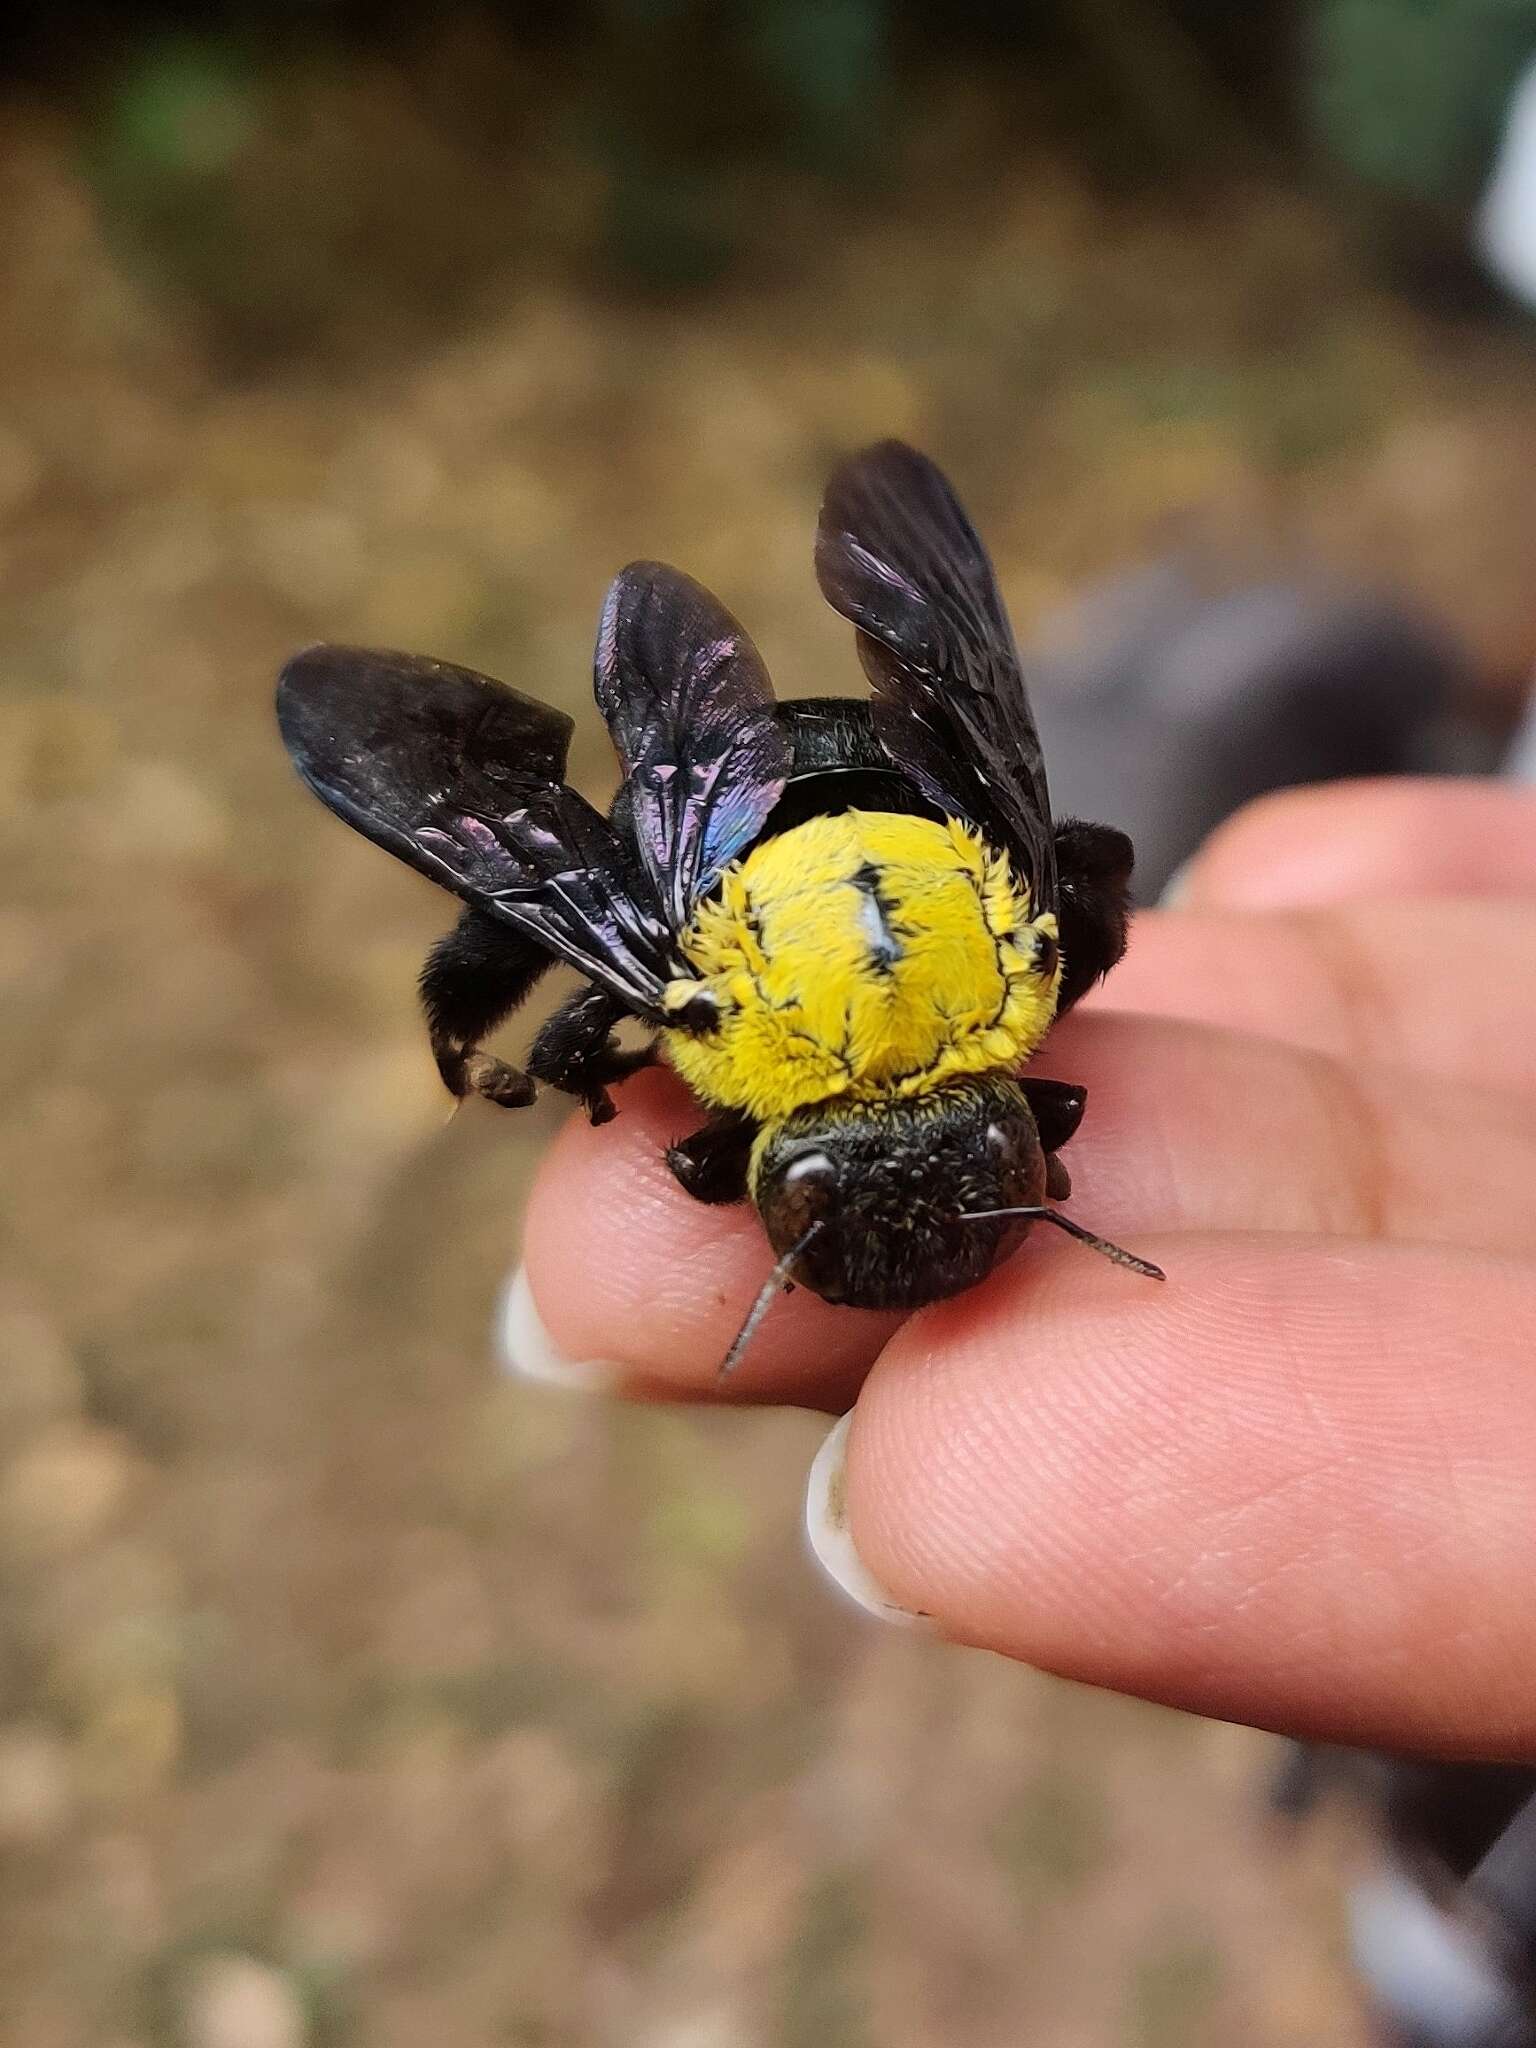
point(860, 956)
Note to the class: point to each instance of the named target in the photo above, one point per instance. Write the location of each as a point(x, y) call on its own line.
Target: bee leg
point(475, 975)
point(1095, 864)
point(1057, 1108)
point(1058, 1182)
point(712, 1164)
point(575, 1052)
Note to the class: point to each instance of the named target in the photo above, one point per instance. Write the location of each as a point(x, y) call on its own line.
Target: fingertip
point(612, 1247)
point(1293, 846)
point(627, 1268)
point(1329, 843)
point(1247, 1493)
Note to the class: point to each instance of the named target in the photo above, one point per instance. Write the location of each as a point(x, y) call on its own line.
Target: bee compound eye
point(1009, 1147)
point(807, 1169)
point(799, 1193)
point(1015, 1159)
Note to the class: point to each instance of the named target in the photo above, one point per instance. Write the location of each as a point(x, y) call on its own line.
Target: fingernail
point(1175, 891)
point(826, 1529)
point(528, 1350)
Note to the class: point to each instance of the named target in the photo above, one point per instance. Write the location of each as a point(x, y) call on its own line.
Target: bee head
point(876, 1193)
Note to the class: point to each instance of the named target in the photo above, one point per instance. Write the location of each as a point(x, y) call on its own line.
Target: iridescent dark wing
point(460, 777)
point(691, 711)
point(896, 555)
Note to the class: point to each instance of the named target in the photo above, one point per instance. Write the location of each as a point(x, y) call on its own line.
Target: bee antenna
point(781, 1277)
point(1040, 1214)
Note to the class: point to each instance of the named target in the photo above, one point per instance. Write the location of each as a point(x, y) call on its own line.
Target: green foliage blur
point(672, 140)
point(661, 145)
point(1410, 94)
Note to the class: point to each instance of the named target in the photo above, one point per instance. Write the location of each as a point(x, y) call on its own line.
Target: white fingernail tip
point(1175, 891)
point(529, 1352)
point(827, 1532)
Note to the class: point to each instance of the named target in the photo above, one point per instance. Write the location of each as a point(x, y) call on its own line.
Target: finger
point(1444, 988)
point(1187, 1128)
point(630, 1273)
point(1373, 839)
point(1294, 1487)
point(1190, 1127)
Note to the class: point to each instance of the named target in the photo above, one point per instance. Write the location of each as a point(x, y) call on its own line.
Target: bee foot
point(508, 1087)
point(1057, 1107)
point(712, 1164)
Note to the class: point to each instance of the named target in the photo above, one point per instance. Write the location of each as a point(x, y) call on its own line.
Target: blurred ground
point(346, 1693)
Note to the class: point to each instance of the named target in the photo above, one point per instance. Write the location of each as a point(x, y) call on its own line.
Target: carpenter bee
point(848, 924)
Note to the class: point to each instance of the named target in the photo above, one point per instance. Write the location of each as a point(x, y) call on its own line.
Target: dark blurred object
point(1172, 695)
point(1444, 1932)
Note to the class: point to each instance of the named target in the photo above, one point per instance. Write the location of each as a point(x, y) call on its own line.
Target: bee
point(847, 924)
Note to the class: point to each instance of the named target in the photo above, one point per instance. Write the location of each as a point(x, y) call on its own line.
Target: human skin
point(1296, 1485)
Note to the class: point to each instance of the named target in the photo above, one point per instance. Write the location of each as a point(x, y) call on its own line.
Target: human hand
point(1296, 1486)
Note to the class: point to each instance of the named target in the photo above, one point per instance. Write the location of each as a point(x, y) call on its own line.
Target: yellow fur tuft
point(859, 956)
